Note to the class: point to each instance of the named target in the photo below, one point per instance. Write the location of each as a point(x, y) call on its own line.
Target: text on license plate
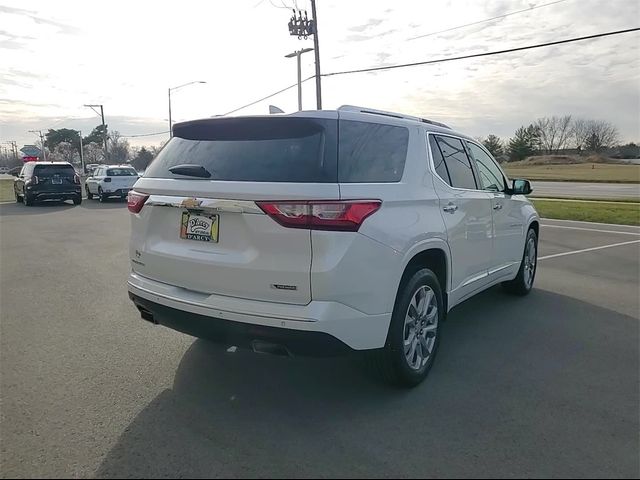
point(203, 228)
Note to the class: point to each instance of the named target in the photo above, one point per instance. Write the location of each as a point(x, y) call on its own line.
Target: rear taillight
point(34, 180)
point(346, 216)
point(76, 179)
point(135, 201)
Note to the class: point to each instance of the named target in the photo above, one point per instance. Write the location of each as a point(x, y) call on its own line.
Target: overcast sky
point(57, 56)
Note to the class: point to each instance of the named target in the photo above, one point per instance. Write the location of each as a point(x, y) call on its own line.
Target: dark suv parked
point(47, 181)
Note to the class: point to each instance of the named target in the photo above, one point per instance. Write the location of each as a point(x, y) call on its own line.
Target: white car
point(111, 181)
point(4, 170)
point(325, 231)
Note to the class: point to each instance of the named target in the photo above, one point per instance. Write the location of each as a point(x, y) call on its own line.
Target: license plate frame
point(201, 227)
point(56, 180)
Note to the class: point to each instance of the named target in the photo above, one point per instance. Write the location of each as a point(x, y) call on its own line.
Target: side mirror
point(520, 187)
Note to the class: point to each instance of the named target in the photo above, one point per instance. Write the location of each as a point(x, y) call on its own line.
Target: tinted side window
point(458, 164)
point(438, 160)
point(371, 152)
point(491, 177)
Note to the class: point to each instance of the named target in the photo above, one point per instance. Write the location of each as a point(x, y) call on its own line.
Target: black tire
point(101, 196)
point(523, 283)
point(28, 200)
point(19, 199)
point(77, 200)
point(89, 194)
point(390, 363)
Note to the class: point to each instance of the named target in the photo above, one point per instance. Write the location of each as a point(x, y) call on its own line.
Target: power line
point(486, 20)
point(267, 97)
point(441, 60)
point(485, 54)
point(144, 134)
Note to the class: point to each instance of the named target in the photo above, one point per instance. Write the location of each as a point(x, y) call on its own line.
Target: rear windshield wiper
point(190, 170)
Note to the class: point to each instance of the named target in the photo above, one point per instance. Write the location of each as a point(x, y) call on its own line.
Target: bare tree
point(118, 148)
point(593, 135)
point(600, 135)
point(579, 133)
point(554, 133)
point(64, 151)
point(93, 153)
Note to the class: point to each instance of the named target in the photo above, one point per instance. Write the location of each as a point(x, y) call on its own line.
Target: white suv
point(325, 231)
point(111, 181)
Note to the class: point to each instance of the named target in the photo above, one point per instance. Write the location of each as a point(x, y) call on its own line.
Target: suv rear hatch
point(201, 227)
point(122, 178)
point(55, 177)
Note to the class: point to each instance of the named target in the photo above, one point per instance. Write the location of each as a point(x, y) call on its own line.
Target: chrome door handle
point(497, 206)
point(451, 208)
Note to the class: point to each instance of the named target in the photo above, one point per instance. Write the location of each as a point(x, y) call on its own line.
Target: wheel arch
point(436, 257)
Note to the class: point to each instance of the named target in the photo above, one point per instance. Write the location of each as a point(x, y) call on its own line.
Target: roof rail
point(352, 108)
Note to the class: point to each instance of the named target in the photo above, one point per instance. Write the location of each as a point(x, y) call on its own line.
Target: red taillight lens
point(34, 180)
point(345, 216)
point(135, 201)
point(76, 179)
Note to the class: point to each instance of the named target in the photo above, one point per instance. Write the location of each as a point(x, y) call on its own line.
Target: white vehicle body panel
point(337, 282)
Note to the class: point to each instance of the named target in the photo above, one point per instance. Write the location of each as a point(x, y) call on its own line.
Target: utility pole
point(297, 54)
point(302, 28)
point(44, 148)
point(81, 153)
point(104, 129)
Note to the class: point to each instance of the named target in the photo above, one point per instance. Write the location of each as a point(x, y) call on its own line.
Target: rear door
point(55, 177)
point(206, 233)
point(508, 218)
point(122, 178)
point(466, 211)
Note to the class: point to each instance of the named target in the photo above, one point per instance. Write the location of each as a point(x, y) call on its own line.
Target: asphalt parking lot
point(541, 386)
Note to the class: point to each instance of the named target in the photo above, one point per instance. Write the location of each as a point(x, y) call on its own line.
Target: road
point(541, 386)
point(586, 190)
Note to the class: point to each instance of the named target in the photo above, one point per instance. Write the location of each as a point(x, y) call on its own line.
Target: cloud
point(61, 27)
point(372, 22)
point(358, 37)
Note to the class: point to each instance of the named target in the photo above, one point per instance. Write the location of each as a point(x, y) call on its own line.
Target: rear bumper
point(55, 193)
point(239, 334)
point(316, 329)
point(119, 192)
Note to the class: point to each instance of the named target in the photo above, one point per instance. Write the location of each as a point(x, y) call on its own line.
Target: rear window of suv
point(50, 170)
point(121, 172)
point(253, 150)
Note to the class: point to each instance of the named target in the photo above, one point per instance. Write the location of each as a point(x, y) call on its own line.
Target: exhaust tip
point(260, 346)
point(146, 315)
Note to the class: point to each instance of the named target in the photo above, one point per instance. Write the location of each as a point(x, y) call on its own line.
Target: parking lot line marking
point(573, 252)
point(590, 229)
point(583, 222)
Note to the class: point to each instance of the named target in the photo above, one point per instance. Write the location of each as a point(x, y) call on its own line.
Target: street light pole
point(297, 54)
point(176, 88)
point(170, 123)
